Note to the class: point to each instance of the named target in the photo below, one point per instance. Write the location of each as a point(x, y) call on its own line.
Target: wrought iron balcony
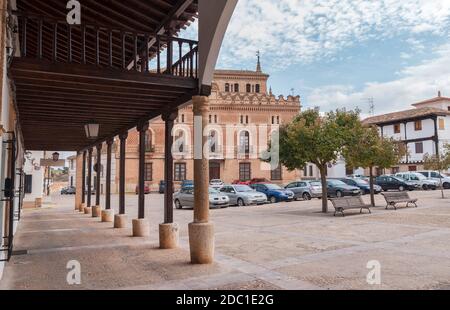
point(58, 42)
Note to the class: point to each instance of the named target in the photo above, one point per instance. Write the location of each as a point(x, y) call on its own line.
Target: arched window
point(213, 142)
point(249, 88)
point(257, 88)
point(236, 88)
point(148, 141)
point(227, 87)
point(180, 142)
point(244, 142)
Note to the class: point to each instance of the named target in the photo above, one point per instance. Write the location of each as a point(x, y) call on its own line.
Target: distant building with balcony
point(243, 114)
point(425, 129)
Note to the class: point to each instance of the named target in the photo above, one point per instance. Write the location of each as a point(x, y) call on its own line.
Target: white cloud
point(298, 31)
point(415, 83)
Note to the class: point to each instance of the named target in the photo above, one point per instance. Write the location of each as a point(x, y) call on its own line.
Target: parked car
point(216, 184)
point(243, 195)
point(70, 190)
point(394, 183)
point(187, 184)
point(252, 181)
point(363, 185)
point(338, 189)
point(162, 187)
point(305, 190)
point(436, 176)
point(146, 189)
point(419, 180)
point(274, 192)
point(184, 198)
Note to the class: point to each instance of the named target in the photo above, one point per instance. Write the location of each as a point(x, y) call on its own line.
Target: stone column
point(108, 213)
point(120, 220)
point(88, 209)
point(97, 210)
point(78, 183)
point(83, 183)
point(141, 226)
point(201, 231)
point(168, 231)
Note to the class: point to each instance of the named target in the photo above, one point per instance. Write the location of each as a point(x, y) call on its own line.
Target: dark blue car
point(274, 192)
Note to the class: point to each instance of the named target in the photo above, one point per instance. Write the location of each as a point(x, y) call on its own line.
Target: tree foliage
point(312, 138)
point(368, 150)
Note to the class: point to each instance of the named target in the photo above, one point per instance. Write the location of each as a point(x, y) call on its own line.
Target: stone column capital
point(200, 104)
point(170, 115)
point(123, 136)
point(110, 142)
point(99, 146)
point(143, 126)
point(90, 151)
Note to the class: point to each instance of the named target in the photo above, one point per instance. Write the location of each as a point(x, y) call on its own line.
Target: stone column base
point(108, 216)
point(81, 207)
point(87, 210)
point(120, 221)
point(168, 236)
point(141, 228)
point(96, 211)
point(201, 242)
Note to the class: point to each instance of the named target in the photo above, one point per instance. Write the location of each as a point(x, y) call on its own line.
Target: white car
point(185, 199)
point(419, 180)
point(436, 176)
point(216, 184)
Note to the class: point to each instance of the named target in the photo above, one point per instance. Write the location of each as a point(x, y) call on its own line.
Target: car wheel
point(240, 202)
point(178, 204)
point(273, 199)
point(425, 187)
point(401, 188)
point(339, 194)
point(446, 185)
point(306, 196)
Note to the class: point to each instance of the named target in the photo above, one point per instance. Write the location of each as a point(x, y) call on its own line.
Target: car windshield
point(398, 179)
point(273, 186)
point(316, 184)
point(216, 181)
point(213, 191)
point(361, 182)
point(243, 189)
point(336, 183)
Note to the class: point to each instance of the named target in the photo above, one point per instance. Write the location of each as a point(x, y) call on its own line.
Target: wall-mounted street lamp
point(55, 156)
point(92, 130)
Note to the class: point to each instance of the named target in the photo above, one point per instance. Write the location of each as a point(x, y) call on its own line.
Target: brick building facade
point(243, 114)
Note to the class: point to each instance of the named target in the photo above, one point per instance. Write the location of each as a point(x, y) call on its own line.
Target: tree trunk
point(372, 193)
point(441, 185)
point(323, 178)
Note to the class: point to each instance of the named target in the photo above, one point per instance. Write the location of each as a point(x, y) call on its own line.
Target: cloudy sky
point(339, 53)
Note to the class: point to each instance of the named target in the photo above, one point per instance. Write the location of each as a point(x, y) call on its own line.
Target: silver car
point(306, 190)
point(185, 199)
point(243, 195)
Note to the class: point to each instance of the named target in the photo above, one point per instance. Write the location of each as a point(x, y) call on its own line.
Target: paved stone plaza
point(280, 246)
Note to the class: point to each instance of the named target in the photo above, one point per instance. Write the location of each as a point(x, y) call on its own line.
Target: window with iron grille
point(148, 174)
point(180, 172)
point(277, 174)
point(245, 171)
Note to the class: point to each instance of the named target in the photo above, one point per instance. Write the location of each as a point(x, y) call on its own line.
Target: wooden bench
point(348, 203)
point(393, 198)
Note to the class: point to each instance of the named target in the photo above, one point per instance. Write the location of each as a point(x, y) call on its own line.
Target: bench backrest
point(347, 202)
point(396, 195)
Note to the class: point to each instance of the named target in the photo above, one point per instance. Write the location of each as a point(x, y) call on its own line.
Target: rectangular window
point(277, 174)
point(311, 172)
point(180, 172)
point(397, 128)
point(418, 125)
point(148, 174)
point(395, 170)
point(441, 124)
point(210, 119)
point(412, 168)
point(305, 171)
point(215, 119)
point(245, 172)
point(419, 148)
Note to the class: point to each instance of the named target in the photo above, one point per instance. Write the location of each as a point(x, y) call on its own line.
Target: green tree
point(438, 162)
point(312, 138)
point(369, 150)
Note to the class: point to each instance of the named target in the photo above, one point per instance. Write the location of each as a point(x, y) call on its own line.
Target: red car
point(252, 181)
point(146, 189)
